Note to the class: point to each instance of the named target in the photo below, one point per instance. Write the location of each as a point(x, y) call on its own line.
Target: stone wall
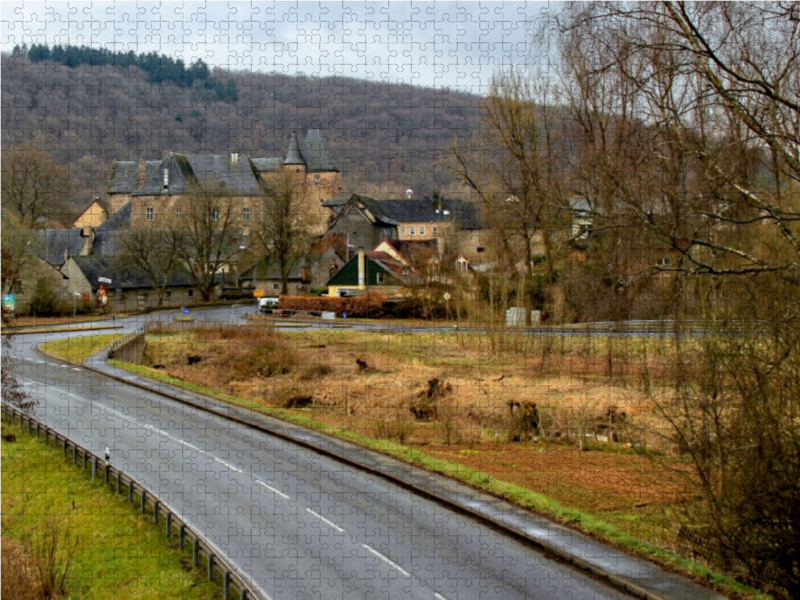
point(129, 349)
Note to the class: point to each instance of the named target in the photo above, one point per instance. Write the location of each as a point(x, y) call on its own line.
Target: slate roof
point(106, 235)
point(466, 214)
point(94, 267)
point(293, 156)
point(314, 153)
point(263, 165)
point(53, 243)
point(294, 274)
point(124, 177)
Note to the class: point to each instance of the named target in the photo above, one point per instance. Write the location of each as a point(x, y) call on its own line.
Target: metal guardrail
point(173, 523)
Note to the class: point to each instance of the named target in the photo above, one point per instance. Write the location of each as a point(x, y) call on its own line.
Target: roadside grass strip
point(118, 552)
point(78, 348)
point(515, 494)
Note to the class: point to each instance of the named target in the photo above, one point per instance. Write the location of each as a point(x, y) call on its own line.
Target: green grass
point(120, 554)
point(518, 495)
point(76, 349)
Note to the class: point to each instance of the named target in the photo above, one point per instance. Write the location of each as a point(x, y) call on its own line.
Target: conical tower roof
point(293, 156)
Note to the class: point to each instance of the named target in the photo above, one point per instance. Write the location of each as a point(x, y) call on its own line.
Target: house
point(158, 189)
point(126, 289)
point(314, 274)
point(94, 216)
point(372, 271)
point(363, 222)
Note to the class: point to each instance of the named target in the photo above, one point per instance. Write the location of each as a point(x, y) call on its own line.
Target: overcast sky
point(453, 44)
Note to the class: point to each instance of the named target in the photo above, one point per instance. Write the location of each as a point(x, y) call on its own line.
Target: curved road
point(299, 525)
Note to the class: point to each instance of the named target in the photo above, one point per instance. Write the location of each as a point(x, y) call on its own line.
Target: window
point(380, 277)
point(165, 173)
point(215, 214)
point(403, 230)
point(178, 213)
point(413, 230)
point(665, 261)
point(435, 230)
point(148, 214)
point(276, 286)
point(316, 178)
point(422, 229)
point(190, 293)
point(246, 214)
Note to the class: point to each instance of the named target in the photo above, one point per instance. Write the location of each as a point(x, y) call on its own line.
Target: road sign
point(9, 301)
point(447, 295)
point(257, 293)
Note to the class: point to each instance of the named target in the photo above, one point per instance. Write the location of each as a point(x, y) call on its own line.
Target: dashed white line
point(39, 362)
point(324, 520)
point(272, 489)
point(76, 369)
point(387, 561)
point(30, 359)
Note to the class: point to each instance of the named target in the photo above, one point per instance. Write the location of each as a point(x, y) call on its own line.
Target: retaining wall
point(130, 348)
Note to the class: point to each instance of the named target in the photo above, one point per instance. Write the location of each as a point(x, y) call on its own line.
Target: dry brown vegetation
point(456, 398)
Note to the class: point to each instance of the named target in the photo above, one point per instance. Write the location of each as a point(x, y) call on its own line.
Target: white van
point(267, 304)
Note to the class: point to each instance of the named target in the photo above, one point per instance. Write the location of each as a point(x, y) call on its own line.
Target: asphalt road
point(298, 524)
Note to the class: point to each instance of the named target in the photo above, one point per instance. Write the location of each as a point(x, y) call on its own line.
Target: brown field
point(573, 382)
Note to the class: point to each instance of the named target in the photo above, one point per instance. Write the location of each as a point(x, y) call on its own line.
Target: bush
point(45, 301)
point(368, 306)
point(315, 372)
point(267, 359)
point(397, 430)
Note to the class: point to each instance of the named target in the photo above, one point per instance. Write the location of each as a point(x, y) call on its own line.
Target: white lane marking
point(30, 359)
point(438, 596)
point(387, 561)
point(76, 369)
point(324, 520)
point(164, 433)
point(39, 362)
point(272, 489)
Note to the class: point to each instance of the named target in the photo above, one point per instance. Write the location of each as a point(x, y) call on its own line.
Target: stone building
point(161, 189)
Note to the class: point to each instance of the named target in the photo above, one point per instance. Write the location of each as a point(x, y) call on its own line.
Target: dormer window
point(446, 212)
point(148, 214)
point(165, 173)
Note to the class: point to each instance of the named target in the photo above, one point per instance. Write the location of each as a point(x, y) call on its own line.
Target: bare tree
point(152, 251)
point(20, 247)
point(284, 225)
point(34, 185)
point(208, 235)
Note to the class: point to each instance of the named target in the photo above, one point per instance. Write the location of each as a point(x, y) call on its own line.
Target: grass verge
point(118, 552)
point(520, 496)
point(76, 349)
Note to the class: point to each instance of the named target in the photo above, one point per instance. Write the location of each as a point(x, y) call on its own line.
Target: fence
point(137, 492)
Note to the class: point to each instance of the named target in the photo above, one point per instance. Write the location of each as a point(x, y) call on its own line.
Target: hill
point(88, 115)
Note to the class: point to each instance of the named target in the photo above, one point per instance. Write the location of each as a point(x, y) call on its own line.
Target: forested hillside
point(89, 115)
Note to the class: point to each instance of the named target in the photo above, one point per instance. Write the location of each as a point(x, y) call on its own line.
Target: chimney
point(141, 175)
point(88, 233)
point(361, 270)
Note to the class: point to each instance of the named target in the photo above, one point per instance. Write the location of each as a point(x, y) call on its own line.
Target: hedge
point(370, 305)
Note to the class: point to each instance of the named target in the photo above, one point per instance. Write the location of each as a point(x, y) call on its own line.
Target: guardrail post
point(74, 454)
point(30, 425)
point(210, 566)
point(65, 446)
point(243, 594)
point(181, 535)
point(196, 552)
point(45, 436)
point(169, 524)
point(130, 490)
point(108, 471)
point(37, 429)
point(85, 458)
point(155, 512)
point(226, 584)
point(94, 468)
point(144, 500)
point(119, 481)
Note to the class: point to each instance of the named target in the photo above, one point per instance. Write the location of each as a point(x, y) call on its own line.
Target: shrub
point(315, 372)
point(267, 359)
point(398, 430)
point(45, 301)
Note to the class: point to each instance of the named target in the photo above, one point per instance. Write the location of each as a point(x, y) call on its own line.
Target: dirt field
point(458, 400)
